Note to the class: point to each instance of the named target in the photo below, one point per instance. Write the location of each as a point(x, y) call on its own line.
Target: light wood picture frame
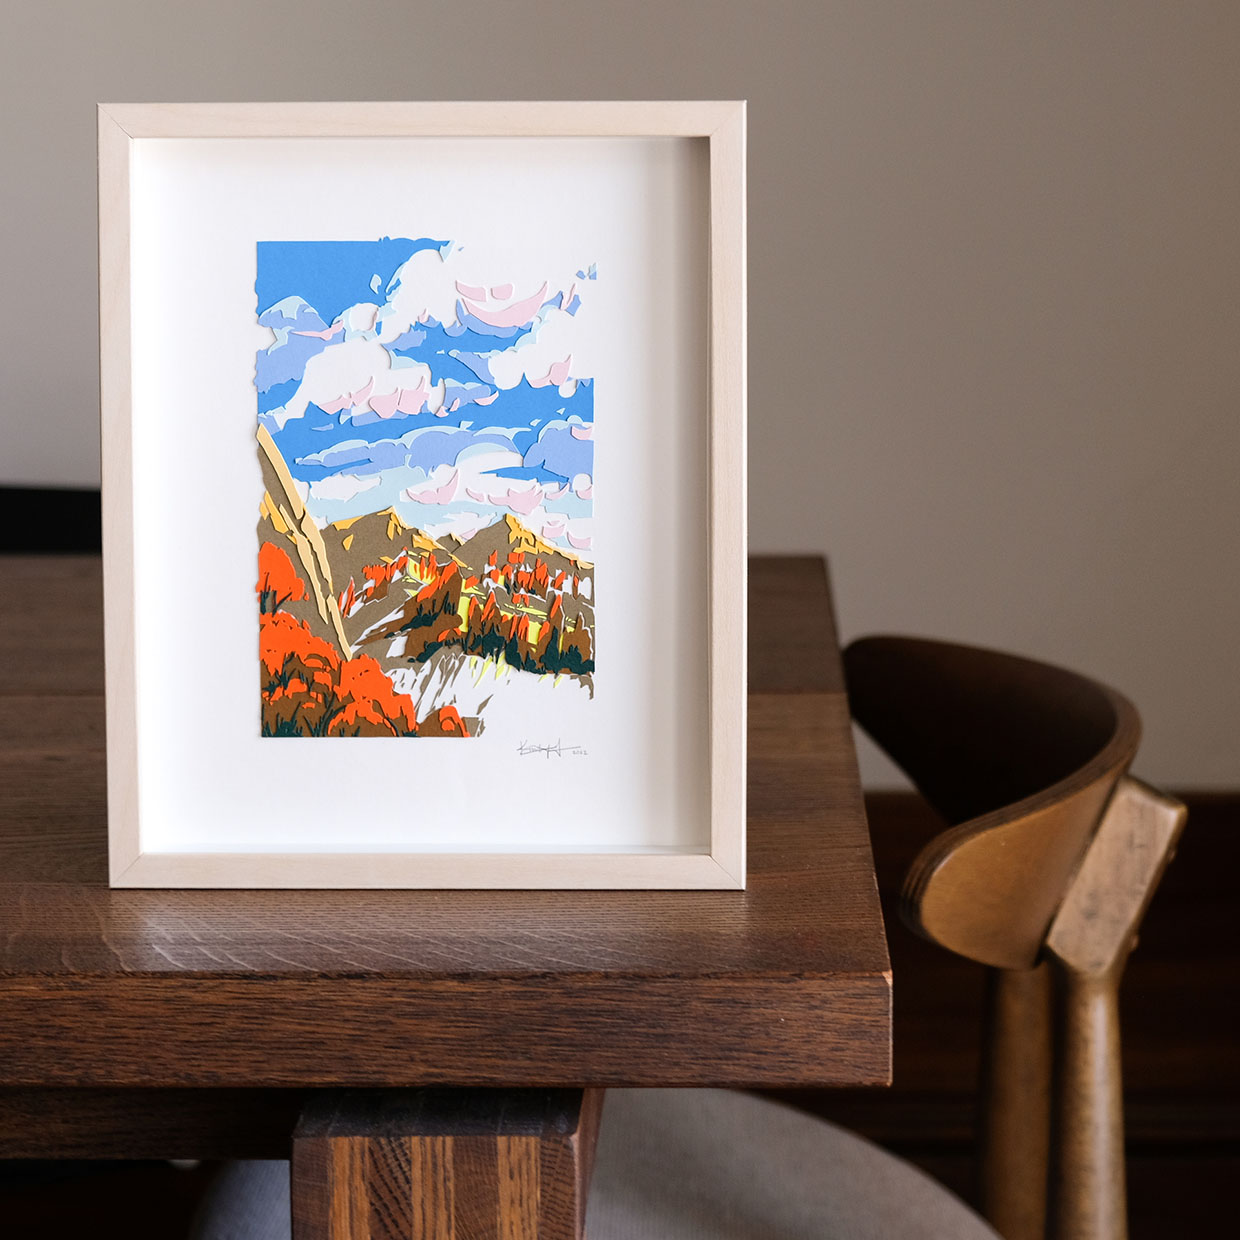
point(165, 790)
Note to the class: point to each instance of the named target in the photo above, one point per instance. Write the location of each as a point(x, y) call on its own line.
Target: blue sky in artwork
point(392, 380)
point(331, 276)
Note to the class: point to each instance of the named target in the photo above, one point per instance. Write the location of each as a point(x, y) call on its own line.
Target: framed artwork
point(424, 494)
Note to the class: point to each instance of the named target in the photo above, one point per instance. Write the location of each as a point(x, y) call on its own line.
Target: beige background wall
point(995, 282)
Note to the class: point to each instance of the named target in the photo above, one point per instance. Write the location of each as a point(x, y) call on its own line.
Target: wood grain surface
point(786, 983)
point(444, 1164)
point(93, 1123)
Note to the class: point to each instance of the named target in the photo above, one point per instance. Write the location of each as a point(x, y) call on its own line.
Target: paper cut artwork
point(425, 432)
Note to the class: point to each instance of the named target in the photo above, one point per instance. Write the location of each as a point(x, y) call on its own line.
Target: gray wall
point(995, 282)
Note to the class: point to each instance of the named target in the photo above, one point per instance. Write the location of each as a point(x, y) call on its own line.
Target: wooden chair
point(1051, 857)
point(1044, 876)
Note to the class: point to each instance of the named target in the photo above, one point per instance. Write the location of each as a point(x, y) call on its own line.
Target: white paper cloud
point(559, 344)
point(355, 372)
point(343, 486)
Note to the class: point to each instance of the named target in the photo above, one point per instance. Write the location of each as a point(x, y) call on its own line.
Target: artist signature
point(559, 750)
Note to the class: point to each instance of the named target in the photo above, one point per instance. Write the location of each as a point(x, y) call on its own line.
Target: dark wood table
point(227, 1023)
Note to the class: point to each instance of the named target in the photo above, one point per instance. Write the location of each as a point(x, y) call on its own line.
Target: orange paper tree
point(309, 690)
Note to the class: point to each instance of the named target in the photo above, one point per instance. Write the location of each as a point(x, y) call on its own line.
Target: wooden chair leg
point(1088, 945)
point(1015, 1098)
point(1088, 1193)
point(444, 1164)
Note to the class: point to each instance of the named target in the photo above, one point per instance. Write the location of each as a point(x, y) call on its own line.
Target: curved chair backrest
point(1020, 758)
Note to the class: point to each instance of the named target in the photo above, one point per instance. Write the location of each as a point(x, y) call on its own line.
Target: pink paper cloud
point(351, 400)
point(557, 374)
point(444, 493)
point(523, 502)
point(361, 398)
point(413, 400)
point(516, 315)
point(326, 334)
point(385, 403)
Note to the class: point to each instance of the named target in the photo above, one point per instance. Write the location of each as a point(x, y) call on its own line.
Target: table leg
point(444, 1164)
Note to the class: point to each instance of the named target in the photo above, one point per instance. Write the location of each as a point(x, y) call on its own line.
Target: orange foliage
point(386, 572)
point(444, 722)
point(348, 597)
point(278, 582)
point(308, 689)
point(440, 578)
point(371, 700)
